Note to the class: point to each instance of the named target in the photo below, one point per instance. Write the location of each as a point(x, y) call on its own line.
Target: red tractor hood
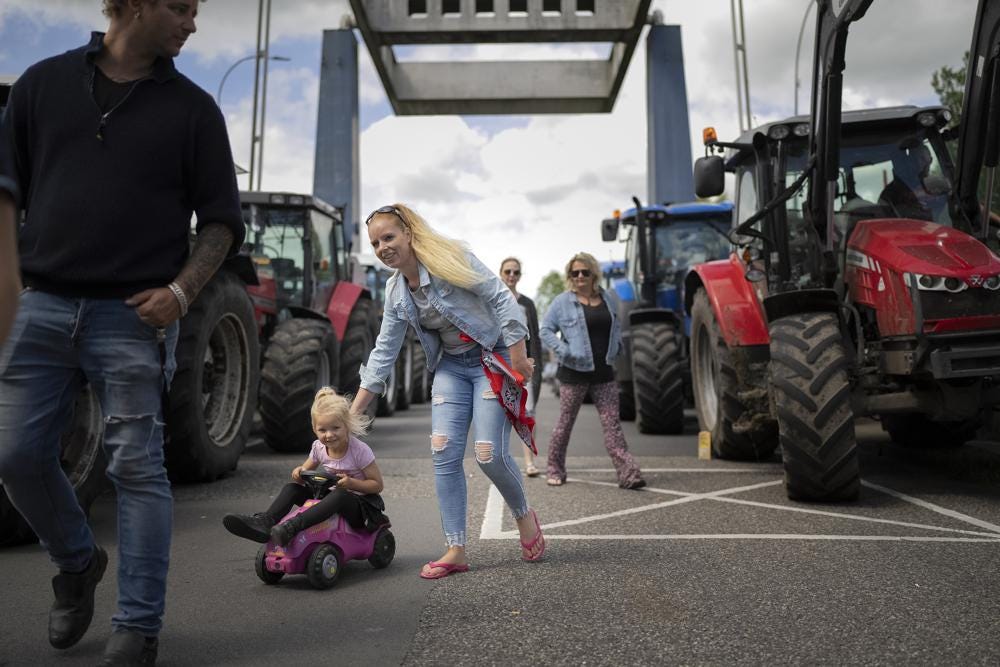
point(914, 246)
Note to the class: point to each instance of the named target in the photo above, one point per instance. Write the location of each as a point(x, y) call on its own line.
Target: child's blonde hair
point(329, 403)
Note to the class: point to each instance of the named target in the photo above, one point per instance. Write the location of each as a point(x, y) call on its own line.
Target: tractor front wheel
point(359, 339)
point(657, 378)
point(813, 398)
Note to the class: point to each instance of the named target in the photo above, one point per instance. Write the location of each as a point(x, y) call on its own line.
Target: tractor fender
point(301, 312)
point(643, 315)
point(737, 309)
point(243, 267)
point(345, 295)
point(802, 301)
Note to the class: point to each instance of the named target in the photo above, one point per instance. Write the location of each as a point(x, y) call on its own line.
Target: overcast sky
point(532, 186)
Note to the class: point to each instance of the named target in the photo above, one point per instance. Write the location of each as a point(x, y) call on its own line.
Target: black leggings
point(336, 501)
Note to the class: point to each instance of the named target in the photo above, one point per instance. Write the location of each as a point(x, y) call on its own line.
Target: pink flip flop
point(527, 547)
point(446, 569)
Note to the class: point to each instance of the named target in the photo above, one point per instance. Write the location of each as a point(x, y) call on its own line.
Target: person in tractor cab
point(113, 150)
point(473, 334)
point(906, 194)
point(10, 281)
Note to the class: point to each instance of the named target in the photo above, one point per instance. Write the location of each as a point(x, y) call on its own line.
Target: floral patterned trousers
point(605, 397)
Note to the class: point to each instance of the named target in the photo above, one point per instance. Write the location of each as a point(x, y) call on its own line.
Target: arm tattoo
point(210, 248)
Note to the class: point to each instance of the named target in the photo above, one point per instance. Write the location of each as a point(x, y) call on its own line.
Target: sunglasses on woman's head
point(512, 272)
point(385, 210)
point(576, 273)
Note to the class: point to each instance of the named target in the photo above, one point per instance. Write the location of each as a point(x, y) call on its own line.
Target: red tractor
point(875, 293)
point(317, 326)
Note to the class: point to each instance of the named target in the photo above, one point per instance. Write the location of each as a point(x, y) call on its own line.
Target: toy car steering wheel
point(318, 479)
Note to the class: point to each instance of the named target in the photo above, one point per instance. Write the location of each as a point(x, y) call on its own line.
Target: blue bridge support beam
point(668, 134)
point(336, 175)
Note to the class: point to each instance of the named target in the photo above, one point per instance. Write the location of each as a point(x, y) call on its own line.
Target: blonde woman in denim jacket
point(458, 308)
point(586, 317)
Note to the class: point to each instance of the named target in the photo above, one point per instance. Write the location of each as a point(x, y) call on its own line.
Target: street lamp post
point(218, 95)
point(798, 46)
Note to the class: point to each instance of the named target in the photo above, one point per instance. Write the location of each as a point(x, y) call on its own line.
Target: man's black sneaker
point(634, 485)
point(74, 604)
point(284, 532)
point(128, 647)
point(256, 527)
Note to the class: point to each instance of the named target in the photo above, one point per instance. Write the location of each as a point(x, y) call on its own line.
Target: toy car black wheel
point(383, 550)
point(323, 566)
point(260, 566)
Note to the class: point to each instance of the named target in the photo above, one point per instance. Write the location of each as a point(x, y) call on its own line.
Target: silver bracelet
point(181, 297)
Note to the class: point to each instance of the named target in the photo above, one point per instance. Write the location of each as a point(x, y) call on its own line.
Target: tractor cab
point(297, 243)
point(893, 163)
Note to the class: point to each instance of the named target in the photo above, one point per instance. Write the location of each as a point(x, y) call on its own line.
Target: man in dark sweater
point(109, 151)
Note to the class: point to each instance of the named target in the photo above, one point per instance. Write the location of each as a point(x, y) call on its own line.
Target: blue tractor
point(662, 243)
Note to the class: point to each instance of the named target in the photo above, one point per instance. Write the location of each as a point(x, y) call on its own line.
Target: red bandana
point(508, 386)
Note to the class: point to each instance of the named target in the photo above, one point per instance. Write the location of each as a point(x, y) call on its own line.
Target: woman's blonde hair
point(329, 403)
point(443, 257)
point(588, 260)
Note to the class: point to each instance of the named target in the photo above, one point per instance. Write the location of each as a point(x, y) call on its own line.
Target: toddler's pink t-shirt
point(358, 457)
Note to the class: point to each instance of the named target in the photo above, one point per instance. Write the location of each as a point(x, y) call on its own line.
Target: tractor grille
point(971, 302)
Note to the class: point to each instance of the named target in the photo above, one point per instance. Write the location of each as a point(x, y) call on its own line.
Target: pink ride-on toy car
point(319, 551)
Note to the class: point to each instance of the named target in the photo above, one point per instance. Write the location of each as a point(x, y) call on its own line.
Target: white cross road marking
point(492, 527)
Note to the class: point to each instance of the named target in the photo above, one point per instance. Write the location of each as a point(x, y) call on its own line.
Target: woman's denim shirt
point(565, 315)
point(486, 311)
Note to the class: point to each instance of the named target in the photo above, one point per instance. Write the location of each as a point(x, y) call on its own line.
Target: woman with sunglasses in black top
point(586, 317)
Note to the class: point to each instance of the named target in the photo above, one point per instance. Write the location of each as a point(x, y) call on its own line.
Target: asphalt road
point(710, 564)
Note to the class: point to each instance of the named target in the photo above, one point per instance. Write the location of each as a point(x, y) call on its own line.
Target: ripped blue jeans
point(461, 396)
point(54, 344)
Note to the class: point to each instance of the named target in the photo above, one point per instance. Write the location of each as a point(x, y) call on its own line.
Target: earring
point(137, 15)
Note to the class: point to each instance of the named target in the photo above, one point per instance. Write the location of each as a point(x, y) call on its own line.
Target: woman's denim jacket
point(484, 311)
point(565, 315)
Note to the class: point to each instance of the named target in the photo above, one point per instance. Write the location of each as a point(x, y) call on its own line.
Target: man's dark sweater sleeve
point(216, 198)
point(12, 180)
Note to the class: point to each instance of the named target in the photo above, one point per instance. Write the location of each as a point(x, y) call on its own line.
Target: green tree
point(552, 286)
point(949, 84)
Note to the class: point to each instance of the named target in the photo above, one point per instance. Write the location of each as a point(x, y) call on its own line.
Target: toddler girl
point(338, 450)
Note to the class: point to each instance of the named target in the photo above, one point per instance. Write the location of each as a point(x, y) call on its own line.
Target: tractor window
point(280, 240)
point(325, 271)
point(681, 245)
point(746, 196)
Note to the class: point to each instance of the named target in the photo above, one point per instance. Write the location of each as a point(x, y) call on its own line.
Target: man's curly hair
point(114, 8)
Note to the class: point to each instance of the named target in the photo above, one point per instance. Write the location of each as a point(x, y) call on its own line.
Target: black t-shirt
point(598, 320)
point(107, 93)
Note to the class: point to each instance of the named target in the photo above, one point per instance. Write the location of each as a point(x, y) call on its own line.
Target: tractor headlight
point(929, 282)
point(801, 130)
point(778, 132)
point(951, 284)
point(992, 283)
point(926, 119)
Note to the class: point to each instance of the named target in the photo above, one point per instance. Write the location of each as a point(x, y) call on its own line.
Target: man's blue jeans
point(55, 343)
point(461, 396)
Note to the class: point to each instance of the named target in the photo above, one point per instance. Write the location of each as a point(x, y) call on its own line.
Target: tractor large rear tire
point(404, 374)
point(386, 403)
point(626, 401)
point(813, 398)
point(359, 339)
point(919, 432)
point(421, 378)
point(82, 459)
point(657, 378)
point(729, 394)
point(302, 356)
point(213, 395)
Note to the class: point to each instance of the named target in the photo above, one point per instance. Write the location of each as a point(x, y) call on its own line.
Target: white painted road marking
point(492, 527)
